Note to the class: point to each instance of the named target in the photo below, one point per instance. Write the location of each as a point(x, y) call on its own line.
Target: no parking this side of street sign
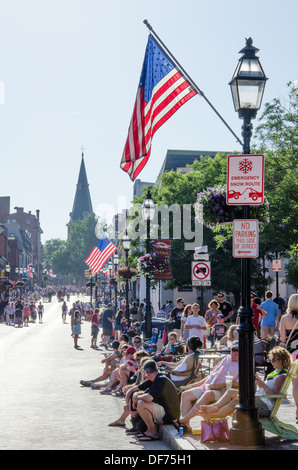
point(245, 238)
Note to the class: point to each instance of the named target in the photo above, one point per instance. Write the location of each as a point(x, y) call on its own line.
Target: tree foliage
point(67, 257)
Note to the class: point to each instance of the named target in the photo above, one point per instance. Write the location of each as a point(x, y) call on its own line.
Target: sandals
point(147, 438)
point(85, 383)
point(106, 391)
point(179, 425)
point(117, 425)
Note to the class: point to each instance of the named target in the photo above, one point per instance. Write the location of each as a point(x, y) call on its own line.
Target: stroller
point(261, 349)
point(18, 318)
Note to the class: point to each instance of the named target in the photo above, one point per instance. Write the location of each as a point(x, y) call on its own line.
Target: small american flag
point(162, 91)
point(102, 251)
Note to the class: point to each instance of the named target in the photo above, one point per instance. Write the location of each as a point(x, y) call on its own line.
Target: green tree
point(277, 137)
point(68, 257)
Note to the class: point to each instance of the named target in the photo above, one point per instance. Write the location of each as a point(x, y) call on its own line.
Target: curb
point(172, 439)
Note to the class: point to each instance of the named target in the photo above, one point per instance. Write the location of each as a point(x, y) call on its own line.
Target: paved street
point(42, 405)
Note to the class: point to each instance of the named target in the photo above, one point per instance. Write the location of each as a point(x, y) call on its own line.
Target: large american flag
point(102, 251)
point(162, 91)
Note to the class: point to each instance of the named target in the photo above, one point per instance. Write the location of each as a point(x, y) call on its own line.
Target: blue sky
point(69, 71)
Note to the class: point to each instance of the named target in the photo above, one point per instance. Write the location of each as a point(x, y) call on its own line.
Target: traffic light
point(87, 273)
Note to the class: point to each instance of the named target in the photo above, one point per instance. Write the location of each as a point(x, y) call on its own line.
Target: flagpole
point(189, 79)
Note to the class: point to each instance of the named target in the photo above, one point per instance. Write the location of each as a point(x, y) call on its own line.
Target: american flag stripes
point(102, 251)
point(162, 91)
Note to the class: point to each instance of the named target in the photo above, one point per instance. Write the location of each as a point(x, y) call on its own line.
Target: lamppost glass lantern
point(248, 82)
point(116, 260)
point(148, 207)
point(126, 242)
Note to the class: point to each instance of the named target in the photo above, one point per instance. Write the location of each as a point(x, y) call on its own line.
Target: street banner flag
point(102, 251)
point(163, 247)
point(29, 270)
point(162, 91)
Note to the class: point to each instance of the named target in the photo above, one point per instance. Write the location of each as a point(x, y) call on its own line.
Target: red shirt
point(95, 319)
point(255, 319)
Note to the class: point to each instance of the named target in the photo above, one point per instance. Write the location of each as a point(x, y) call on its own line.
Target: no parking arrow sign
point(201, 273)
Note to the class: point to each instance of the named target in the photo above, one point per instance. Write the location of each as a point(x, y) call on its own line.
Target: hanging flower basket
point(151, 263)
point(125, 272)
point(113, 281)
point(218, 215)
point(20, 284)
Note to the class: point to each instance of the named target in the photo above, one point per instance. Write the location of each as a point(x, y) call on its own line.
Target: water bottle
point(181, 431)
point(153, 337)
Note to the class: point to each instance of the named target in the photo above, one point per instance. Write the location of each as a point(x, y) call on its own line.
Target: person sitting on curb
point(140, 357)
point(115, 378)
point(127, 371)
point(156, 402)
point(210, 389)
point(111, 362)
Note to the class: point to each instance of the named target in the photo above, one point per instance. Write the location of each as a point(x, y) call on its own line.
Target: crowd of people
point(20, 312)
point(159, 389)
point(157, 386)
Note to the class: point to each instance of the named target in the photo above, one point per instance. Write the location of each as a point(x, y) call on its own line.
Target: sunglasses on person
point(137, 342)
point(235, 350)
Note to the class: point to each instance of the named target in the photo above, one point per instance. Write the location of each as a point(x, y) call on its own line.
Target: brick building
point(23, 237)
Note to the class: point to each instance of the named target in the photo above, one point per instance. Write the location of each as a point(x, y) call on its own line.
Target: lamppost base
point(246, 430)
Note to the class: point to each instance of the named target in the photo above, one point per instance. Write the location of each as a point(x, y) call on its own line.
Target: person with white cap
point(210, 389)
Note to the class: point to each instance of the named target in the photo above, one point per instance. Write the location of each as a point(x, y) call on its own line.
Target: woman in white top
point(186, 312)
point(181, 371)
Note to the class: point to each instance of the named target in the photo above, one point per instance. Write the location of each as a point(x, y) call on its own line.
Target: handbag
point(293, 353)
point(293, 329)
point(217, 431)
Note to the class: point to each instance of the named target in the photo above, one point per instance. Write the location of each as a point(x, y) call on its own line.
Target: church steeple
point(82, 205)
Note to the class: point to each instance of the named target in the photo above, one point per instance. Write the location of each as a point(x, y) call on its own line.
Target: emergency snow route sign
point(245, 180)
point(245, 238)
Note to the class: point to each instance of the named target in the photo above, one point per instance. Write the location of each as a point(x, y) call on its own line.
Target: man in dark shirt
point(107, 325)
point(225, 307)
point(157, 401)
point(176, 315)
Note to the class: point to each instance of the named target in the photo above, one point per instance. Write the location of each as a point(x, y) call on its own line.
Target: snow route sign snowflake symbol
point(245, 165)
point(245, 180)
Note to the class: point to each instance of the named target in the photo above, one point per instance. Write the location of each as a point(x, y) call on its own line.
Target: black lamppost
point(110, 267)
point(7, 269)
point(126, 243)
point(116, 262)
point(247, 87)
point(148, 210)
